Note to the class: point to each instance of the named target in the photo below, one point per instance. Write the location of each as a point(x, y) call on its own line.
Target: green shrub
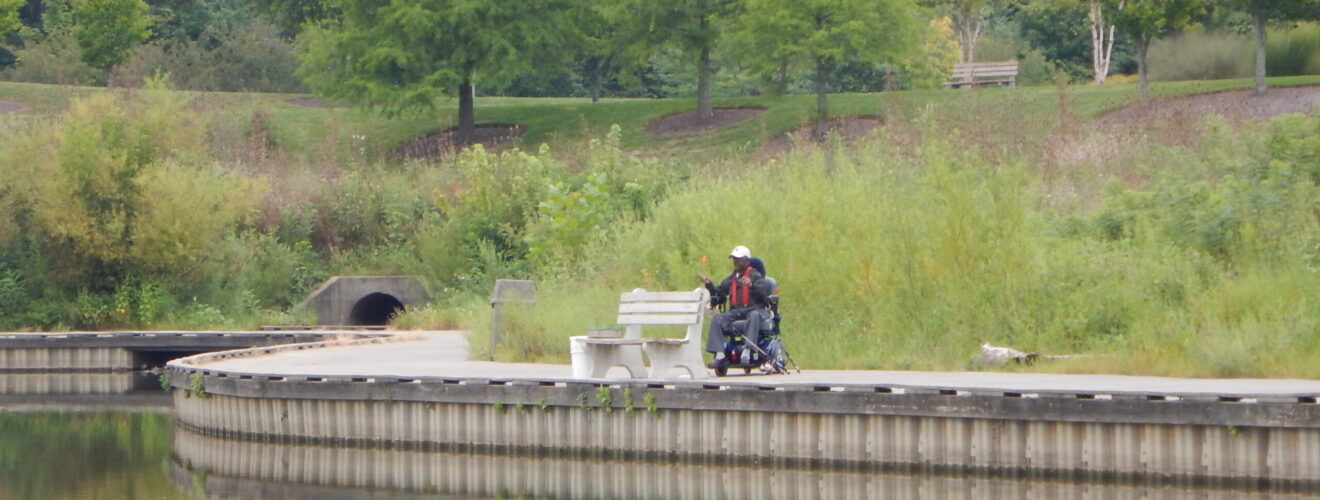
point(55, 60)
point(250, 58)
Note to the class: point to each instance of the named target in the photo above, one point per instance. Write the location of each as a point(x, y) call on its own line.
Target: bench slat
point(986, 73)
point(660, 307)
point(998, 64)
point(658, 319)
point(660, 297)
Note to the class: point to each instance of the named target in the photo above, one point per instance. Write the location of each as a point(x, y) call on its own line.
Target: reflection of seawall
point(123, 389)
point(224, 468)
point(70, 383)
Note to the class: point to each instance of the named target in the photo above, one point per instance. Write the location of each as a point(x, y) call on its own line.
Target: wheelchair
point(767, 354)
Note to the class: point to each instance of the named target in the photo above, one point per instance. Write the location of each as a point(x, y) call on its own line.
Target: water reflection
point(85, 455)
point(224, 468)
point(83, 389)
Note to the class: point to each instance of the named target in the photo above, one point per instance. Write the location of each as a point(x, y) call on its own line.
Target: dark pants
point(722, 325)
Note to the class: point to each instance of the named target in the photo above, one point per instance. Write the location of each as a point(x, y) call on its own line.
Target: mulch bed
point(1233, 104)
point(7, 106)
point(687, 122)
point(847, 128)
point(438, 144)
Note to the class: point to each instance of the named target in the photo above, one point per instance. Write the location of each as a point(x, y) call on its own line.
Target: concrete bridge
point(419, 391)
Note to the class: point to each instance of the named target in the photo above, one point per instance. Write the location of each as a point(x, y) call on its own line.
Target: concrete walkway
point(444, 354)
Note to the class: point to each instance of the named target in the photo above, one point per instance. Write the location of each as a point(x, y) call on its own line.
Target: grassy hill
point(1180, 246)
point(302, 129)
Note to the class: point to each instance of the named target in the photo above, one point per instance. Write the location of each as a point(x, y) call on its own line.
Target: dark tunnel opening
point(374, 309)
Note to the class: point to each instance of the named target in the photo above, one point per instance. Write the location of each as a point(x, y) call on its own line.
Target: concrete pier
point(422, 394)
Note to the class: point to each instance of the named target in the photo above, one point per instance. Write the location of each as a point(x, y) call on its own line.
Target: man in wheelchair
point(735, 335)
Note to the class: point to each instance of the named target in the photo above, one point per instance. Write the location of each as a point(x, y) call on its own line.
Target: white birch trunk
point(969, 26)
point(1102, 42)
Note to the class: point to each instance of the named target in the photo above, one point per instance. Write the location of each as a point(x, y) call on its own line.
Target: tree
point(1057, 29)
point(613, 41)
point(1053, 26)
point(107, 29)
point(969, 20)
point(9, 16)
point(401, 56)
point(291, 15)
point(1149, 20)
point(694, 26)
point(1102, 40)
point(826, 34)
point(1264, 11)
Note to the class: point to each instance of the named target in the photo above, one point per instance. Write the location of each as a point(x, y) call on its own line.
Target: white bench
point(1002, 73)
point(639, 308)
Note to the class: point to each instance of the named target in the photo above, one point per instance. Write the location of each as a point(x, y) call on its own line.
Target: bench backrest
point(997, 69)
point(640, 307)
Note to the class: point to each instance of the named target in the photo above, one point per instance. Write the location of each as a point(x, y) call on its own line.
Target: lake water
point(89, 447)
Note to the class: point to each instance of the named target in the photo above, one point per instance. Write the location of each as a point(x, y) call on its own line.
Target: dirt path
point(8, 106)
point(1233, 105)
point(443, 142)
point(848, 128)
point(311, 102)
point(687, 122)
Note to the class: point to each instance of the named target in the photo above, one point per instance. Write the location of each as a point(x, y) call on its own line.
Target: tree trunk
point(1102, 43)
point(1258, 17)
point(704, 110)
point(968, 24)
point(1142, 45)
point(781, 81)
point(467, 123)
point(822, 100)
point(598, 80)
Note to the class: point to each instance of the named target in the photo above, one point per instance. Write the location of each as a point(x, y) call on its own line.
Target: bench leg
point(604, 357)
point(667, 356)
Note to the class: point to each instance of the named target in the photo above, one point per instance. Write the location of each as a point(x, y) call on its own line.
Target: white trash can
point(577, 355)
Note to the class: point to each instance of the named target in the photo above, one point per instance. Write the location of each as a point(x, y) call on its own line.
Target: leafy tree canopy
point(1148, 20)
point(401, 56)
point(826, 34)
point(291, 15)
point(107, 29)
point(9, 16)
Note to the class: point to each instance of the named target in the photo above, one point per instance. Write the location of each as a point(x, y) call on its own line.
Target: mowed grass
point(303, 131)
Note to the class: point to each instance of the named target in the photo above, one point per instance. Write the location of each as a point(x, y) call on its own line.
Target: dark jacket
point(759, 293)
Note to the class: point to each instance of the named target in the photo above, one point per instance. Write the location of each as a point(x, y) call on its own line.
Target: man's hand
point(745, 281)
point(704, 279)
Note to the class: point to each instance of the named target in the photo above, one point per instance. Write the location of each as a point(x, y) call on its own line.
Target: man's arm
point(719, 294)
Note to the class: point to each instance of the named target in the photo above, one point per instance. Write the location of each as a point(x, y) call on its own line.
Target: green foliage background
point(1188, 250)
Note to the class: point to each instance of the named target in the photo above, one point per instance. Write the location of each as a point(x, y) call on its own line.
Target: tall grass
point(902, 261)
point(1203, 55)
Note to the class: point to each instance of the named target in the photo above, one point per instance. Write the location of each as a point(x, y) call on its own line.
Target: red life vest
point(734, 300)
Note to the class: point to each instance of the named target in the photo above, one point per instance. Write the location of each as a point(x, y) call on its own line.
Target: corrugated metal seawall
point(1187, 451)
point(65, 359)
point(213, 467)
point(1222, 438)
point(114, 351)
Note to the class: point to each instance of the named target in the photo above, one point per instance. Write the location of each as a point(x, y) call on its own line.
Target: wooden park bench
point(640, 308)
point(1001, 73)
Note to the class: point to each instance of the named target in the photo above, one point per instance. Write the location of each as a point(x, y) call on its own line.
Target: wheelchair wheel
point(721, 371)
point(747, 371)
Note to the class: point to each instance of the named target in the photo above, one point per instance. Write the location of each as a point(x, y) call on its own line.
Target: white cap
point(740, 252)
